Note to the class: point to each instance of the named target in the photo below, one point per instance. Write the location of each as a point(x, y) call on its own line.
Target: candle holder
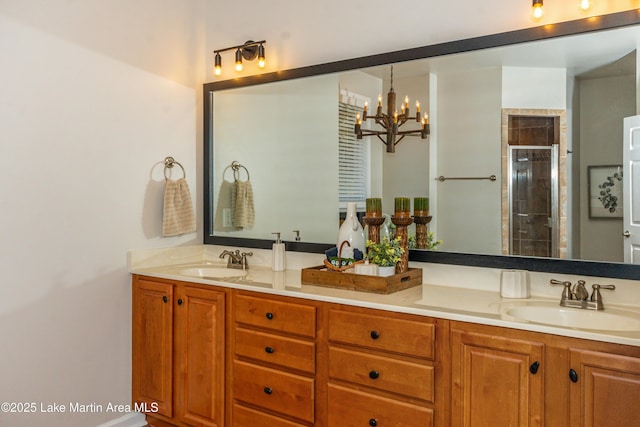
point(401, 223)
point(421, 230)
point(374, 224)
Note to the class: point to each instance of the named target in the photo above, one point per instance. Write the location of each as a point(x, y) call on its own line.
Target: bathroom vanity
point(260, 349)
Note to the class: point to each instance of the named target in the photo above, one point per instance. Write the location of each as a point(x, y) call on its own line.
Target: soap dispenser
point(278, 261)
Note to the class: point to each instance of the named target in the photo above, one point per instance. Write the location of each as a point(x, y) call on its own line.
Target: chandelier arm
point(399, 139)
point(409, 132)
point(380, 138)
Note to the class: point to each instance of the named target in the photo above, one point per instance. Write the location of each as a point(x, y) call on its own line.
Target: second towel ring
point(170, 162)
point(235, 166)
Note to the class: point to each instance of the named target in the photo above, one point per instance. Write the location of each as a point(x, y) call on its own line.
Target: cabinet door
point(152, 345)
point(606, 389)
point(199, 336)
point(493, 380)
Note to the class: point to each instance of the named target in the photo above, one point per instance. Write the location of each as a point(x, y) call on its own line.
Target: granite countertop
point(445, 302)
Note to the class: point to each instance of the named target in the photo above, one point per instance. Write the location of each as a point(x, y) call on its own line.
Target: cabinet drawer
point(276, 315)
point(247, 417)
point(279, 350)
point(275, 390)
point(383, 373)
point(410, 337)
point(352, 408)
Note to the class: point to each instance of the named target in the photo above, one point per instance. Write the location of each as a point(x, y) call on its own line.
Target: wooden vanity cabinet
point(293, 362)
point(382, 368)
point(497, 377)
point(178, 342)
point(272, 380)
point(508, 377)
point(604, 388)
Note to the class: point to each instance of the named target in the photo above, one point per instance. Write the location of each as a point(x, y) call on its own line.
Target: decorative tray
point(321, 276)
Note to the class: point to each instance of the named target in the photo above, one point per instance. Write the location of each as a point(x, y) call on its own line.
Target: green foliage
point(386, 253)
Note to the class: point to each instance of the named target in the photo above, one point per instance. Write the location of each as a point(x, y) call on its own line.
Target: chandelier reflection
point(392, 121)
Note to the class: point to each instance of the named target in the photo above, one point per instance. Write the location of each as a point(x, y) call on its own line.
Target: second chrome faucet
point(578, 296)
point(236, 259)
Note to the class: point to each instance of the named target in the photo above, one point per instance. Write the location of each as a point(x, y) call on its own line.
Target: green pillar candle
point(374, 207)
point(402, 206)
point(421, 206)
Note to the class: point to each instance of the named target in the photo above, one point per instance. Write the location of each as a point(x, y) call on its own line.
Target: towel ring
point(235, 166)
point(170, 162)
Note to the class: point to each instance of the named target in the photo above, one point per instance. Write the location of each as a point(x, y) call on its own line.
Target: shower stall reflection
point(533, 200)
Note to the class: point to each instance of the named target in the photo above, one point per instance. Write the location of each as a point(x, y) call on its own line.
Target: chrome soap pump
point(278, 259)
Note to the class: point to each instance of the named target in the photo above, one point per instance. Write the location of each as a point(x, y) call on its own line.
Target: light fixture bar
point(249, 51)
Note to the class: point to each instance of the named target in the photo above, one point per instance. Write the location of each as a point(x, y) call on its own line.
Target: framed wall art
point(605, 191)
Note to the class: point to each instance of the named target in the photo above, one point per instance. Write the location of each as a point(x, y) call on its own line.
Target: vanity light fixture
point(392, 121)
point(537, 9)
point(250, 50)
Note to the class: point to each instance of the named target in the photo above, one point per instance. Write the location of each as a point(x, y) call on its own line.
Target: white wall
point(535, 88)
point(94, 95)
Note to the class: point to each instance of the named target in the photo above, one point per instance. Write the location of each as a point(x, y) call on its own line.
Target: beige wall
point(600, 128)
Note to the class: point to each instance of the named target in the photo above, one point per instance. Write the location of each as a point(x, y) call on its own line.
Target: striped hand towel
point(177, 215)
point(242, 209)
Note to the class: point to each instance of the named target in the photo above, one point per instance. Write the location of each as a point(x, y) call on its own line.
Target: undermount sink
point(212, 272)
point(548, 314)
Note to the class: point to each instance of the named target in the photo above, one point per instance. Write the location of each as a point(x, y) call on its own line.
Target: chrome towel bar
point(442, 178)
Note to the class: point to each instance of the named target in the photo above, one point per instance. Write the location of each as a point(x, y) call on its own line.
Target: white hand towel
point(177, 215)
point(242, 208)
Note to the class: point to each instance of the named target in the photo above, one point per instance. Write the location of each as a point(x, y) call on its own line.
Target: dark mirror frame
point(552, 265)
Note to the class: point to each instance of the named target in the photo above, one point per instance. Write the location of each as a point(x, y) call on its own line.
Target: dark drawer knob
point(270, 350)
point(268, 390)
point(573, 375)
point(373, 422)
point(534, 367)
point(180, 301)
point(165, 299)
point(269, 316)
point(375, 335)
point(374, 375)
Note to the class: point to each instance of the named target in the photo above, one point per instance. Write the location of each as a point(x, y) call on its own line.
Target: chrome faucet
point(236, 259)
point(578, 297)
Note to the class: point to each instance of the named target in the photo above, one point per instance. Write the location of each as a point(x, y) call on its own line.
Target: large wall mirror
point(580, 77)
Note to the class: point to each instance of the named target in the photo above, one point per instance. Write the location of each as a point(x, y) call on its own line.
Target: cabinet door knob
point(534, 367)
point(165, 299)
point(270, 350)
point(268, 390)
point(269, 316)
point(374, 375)
point(375, 335)
point(573, 375)
point(373, 422)
point(180, 301)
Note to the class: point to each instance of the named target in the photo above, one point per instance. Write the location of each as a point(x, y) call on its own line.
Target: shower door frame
point(554, 219)
point(562, 174)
